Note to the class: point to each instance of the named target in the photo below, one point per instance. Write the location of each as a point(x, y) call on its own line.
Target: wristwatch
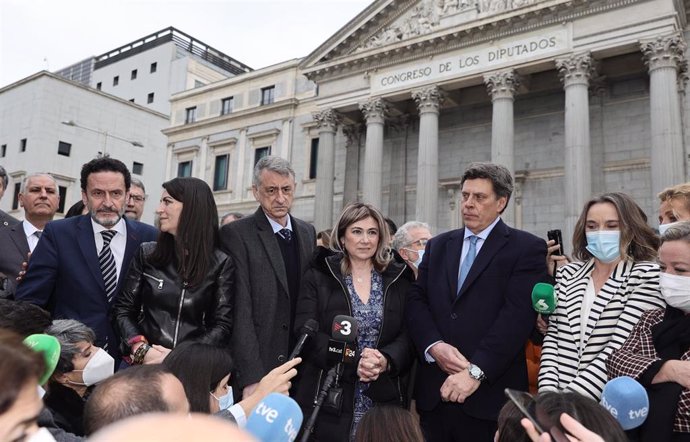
point(476, 372)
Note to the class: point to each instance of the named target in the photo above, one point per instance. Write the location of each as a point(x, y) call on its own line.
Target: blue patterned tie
point(469, 260)
point(286, 234)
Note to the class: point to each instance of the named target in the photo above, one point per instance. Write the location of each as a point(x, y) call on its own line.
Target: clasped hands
point(459, 385)
point(371, 364)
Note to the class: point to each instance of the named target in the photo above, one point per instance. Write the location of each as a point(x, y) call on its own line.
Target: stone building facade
point(576, 97)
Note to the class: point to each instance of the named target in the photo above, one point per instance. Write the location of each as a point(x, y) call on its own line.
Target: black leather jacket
point(155, 303)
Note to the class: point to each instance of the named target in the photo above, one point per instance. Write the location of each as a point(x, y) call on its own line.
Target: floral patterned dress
point(369, 318)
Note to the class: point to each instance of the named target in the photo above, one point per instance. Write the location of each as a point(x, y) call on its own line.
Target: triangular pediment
point(389, 22)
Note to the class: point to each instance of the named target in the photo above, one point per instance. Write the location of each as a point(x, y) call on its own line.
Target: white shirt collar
point(29, 229)
point(120, 227)
point(276, 226)
point(484, 233)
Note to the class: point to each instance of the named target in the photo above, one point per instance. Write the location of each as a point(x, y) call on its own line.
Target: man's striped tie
point(107, 263)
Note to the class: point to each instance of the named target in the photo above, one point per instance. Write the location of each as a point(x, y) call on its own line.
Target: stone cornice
point(288, 104)
point(544, 14)
point(502, 84)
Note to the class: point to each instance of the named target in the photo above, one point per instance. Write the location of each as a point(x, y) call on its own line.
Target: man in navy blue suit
point(78, 265)
point(470, 312)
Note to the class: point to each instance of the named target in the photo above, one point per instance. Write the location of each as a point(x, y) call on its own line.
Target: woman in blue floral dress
point(357, 278)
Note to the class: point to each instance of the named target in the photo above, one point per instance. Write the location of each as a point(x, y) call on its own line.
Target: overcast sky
point(52, 34)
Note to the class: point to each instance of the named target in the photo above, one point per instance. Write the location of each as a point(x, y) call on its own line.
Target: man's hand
point(25, 265)
point(276, 381)
point(448, 358)
point(459, 387)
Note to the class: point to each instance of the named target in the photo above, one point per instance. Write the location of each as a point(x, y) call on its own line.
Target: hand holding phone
point(529, 408)
point(557, 238)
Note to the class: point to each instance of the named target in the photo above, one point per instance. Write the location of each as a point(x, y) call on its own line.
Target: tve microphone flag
point(627, 400)
point(277, 418)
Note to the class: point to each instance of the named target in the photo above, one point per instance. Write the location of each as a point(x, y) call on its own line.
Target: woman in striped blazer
point(601, 297)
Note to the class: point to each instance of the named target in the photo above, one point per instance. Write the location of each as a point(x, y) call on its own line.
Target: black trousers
point(449, 423)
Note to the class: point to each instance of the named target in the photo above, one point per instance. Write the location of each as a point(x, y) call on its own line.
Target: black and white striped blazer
point(631, 289)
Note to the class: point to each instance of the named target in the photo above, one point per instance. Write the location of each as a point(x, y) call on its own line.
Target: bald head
point(159, 427)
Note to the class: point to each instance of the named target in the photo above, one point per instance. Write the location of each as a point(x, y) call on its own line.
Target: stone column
point(353, 143)
point(327, 122)
point(502, 86)
point(374, 111)
point(576, 71)
point(428, 101)
point(665, 58)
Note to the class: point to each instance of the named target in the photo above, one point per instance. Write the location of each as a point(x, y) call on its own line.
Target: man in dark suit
point(271, 249)
point(5, 218)
point(79, 263)
point(40, 199)
point(470, 312)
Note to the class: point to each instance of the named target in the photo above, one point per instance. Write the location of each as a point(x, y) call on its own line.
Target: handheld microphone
point(307, 331)
point(49, 347)
point(342, 347)
point(277, 418)
point(627, 400)
point(544, 299)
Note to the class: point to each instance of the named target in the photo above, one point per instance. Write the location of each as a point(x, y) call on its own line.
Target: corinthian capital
point(665, 52)
point(374, 110)
point(327, 120)
point(428, 99)
point(502, 84)
point(576, 69)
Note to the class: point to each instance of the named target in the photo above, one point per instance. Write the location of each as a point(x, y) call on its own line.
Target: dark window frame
point(190, 115)
point(133, 74)
point(220, 177)
point(268, 95)
point(258, 153)
point(64, 148)
point(116, 80)
point(137, 168)
point(313, 158)
point(226, 105)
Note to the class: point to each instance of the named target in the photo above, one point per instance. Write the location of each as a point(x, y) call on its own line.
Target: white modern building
point(149, 70)
point(50, 124)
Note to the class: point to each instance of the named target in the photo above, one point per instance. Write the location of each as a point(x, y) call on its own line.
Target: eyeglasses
point(138, 198)
point(419, 242)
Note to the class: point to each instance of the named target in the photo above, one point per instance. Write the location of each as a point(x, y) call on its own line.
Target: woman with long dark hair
point(180, 287)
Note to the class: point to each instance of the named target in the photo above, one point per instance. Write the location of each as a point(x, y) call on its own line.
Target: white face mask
point(676, 291)
point(664, 227)
point(42, 435)
point(99, 368)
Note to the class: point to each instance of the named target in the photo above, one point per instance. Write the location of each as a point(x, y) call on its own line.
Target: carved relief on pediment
point(430, 15)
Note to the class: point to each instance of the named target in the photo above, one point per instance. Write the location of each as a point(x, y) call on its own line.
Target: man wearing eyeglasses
point(410, 240)
point(271, 250)
point(136, 201)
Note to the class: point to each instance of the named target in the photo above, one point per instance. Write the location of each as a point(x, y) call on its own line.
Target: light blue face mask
point(226, 401)
point(604, 244)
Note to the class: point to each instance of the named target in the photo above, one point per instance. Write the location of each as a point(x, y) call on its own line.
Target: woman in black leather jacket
point(355, 277)
point(180, 287)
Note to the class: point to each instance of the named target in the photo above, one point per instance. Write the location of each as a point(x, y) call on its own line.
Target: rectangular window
point(22, 145)
point(154, 67)
point(64, 148)
point(261, 152)
point(190, 115)
point(133, 75)
point(226, 107)
point(149, 99)
point(15, 197)
point(116, 80)
point(98, 85)
point(314, 158)
point(62, 190)
point(138, 168)
point(3, 150)
point(267, 95)
point(220, 174)
point(184, 168)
